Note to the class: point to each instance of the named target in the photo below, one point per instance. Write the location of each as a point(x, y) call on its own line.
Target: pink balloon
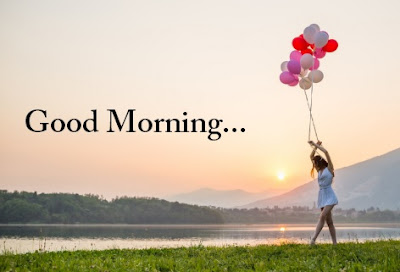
point(319, 53)
point(295, 55)
point(294, 67)
point(287, 77)
point(316, 64)
point(294, 83)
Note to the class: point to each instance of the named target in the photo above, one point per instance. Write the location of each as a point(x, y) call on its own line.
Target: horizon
point(204, 188)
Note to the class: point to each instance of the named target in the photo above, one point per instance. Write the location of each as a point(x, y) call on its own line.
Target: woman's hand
point(315, 144)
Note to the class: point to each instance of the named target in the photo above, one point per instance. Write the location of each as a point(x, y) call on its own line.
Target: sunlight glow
point(282, 229)
point(281, 175)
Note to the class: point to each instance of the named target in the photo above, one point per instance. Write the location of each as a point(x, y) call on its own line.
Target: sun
point(281, 175)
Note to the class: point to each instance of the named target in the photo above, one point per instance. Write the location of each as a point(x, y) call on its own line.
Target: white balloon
point(303, 72)
point(316, 27)
point(306, 61)
point(316, 76)
point(305, 83)
point(309, 34)
point(321, 39)
point(284, 66)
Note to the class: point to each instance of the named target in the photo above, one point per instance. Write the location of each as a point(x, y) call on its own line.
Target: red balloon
point(306, 51)
point(299, 43)
point(302, 36)
point(331, 46)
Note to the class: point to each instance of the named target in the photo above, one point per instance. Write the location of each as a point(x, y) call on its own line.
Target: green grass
point(368, 256)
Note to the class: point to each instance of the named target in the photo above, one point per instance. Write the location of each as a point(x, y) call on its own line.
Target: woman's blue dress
point(326, 195)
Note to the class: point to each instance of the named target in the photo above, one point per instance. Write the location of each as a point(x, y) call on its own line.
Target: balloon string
point(309, 121)
point(311, 118)
point(312, 88)
point(308, 106)
point(312, 91)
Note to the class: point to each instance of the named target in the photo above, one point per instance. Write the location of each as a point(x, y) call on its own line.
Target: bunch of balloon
point(302, 67)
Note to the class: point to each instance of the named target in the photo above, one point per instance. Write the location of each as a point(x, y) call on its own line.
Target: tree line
point(26, 207)
point(64, 208)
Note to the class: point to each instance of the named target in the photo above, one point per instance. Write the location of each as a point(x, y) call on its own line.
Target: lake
point(20, 238)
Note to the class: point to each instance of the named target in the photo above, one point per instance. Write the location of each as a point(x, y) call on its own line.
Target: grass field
point(368, 256)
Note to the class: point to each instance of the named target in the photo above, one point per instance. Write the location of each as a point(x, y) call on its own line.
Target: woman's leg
point(322, 218)
point(332, 229)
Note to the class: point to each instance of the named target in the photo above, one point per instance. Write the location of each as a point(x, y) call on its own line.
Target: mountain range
point(371, 183)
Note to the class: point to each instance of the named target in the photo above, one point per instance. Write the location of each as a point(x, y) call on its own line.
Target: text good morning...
point(127, 123)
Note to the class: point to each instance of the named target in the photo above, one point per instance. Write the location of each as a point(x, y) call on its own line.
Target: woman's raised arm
point(312, 152)
point(328, 158)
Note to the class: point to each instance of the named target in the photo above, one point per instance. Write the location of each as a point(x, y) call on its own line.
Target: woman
point(326, 196)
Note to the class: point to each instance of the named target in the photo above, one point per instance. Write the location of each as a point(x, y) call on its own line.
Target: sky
point(211, 59)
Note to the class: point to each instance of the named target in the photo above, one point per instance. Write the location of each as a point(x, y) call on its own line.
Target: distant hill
point(374, 182)
point(220, 198)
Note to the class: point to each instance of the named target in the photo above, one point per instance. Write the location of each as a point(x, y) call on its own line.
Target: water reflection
point(24, 238)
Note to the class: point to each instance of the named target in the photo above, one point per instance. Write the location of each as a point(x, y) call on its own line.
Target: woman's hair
point(319, 163)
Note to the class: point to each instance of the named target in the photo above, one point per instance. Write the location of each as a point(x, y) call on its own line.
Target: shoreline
point(32, 245)
point(229, 225)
